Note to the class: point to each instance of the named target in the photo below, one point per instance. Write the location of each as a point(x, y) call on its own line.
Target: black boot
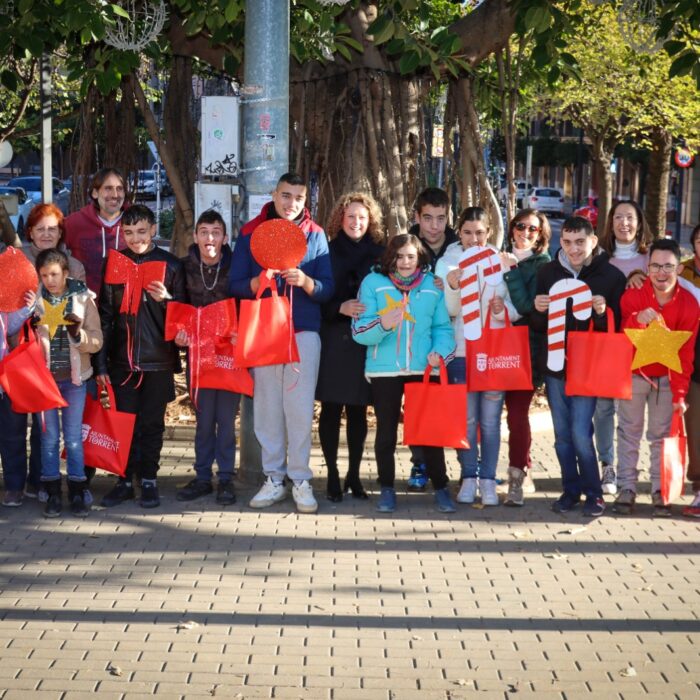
point(76, 498)
point(354, 485)
point(53, 506)
point(333, 491)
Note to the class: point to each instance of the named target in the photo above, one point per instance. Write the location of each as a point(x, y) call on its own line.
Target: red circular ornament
point(278, 244)
point(18, 277)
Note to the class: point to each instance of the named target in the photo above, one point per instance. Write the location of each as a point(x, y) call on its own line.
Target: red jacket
point(680, 314)
point(307, 224)
point(89, 240)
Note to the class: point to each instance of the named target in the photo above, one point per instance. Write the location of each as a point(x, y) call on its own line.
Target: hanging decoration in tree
point(638, 22)
point(137, 25)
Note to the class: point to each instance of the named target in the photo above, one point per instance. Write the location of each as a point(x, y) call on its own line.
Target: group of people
point(369, 315)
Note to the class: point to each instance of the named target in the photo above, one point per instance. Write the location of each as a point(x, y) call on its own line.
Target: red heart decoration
point(18, 277)
point(278, 244)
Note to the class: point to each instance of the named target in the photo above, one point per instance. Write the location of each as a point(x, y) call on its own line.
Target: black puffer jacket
point(146, 330)
point(216, 277)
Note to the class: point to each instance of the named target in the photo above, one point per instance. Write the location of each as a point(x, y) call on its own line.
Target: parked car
point(521, 188)
point(24, 206)
point(589, 211)
point(545, 199)
point(146, 187)
point(32, 186)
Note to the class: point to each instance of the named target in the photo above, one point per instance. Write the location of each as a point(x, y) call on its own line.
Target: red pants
point(519, 436)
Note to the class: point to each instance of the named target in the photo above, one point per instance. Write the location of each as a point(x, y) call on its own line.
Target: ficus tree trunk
point(656, 187)
point(602, 156)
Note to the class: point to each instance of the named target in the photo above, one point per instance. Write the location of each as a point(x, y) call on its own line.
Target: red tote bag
point(107, 434)
point(500, 359)
point(265, 329)
point(224, 373)
point(599, 364)
point(674, 459)
point(27, 380)
point(435, 414)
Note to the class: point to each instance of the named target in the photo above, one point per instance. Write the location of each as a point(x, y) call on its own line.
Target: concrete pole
point(45, 98)
point(265, 138)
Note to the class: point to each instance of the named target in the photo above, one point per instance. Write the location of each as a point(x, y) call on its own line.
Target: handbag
point(26, 379)
point(223, 372)
point(599, 364)
point(107, 434)
point(674, 458)
point(435, 414)
point(265, 329)
point(500, 359)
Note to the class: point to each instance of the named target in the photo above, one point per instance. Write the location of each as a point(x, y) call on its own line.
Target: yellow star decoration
point(396, 303)
point(53, 317)
point(657, 344)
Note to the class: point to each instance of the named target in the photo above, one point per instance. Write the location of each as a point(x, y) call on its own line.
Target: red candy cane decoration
point(559, 294)
point(479, 265)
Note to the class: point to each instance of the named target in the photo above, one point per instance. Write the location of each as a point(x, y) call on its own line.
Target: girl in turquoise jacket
point(406, 327)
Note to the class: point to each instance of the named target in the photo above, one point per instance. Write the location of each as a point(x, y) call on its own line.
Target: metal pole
point(679, 202)
point(265, 135)
point(45, 98)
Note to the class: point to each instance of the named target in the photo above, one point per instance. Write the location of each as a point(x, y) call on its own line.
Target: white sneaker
point(303, 496)
point(269, 494)
point(467, 494)
point(489, 497)
point(609, 480)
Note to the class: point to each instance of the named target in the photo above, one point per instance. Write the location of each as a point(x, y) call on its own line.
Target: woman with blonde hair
point(356, 233)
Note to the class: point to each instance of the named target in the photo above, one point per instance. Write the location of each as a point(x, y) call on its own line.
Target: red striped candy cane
point(479, 266)
point(559, 294)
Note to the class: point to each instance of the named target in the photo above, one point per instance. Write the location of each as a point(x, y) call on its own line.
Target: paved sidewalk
point(192, 600)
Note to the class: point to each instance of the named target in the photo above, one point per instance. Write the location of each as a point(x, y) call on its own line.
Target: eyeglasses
point(668, 268)
point(53, 230)
point(531, 229)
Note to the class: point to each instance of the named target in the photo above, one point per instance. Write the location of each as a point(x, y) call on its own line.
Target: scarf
point(522, 253)
point(406, 284)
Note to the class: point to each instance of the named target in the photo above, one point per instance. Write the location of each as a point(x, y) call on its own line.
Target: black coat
point(196, 274)
point(341, 376)
point(146, 330)
point(602, 278)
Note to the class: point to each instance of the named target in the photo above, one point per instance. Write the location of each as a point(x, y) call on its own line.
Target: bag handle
point(266, 282)
point(429, 369)
point(506, 317)
point(611, 320)
point(110, 394)
point(677, 425)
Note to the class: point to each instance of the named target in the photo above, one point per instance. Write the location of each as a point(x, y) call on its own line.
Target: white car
point(545, 199)
point(24, 206)
point(521, 187)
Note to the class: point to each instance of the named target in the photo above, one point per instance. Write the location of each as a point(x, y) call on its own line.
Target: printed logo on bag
point(224, 362)
point(99, 439)
point(484, 362)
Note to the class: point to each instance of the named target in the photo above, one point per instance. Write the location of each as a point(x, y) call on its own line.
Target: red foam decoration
point(18, 277)
point(135, 278)
point(278, 244)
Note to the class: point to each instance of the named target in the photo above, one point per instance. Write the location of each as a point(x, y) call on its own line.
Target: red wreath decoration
point(18, 277)
point(278, 244)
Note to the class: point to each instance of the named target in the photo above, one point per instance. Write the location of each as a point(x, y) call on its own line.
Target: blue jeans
point(604, 429)
point(72, 420)
point(215, 436)
point(572, 417)
point(13, 447)
point(484, 410)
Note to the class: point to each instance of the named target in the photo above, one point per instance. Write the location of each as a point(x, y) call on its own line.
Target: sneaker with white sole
point(303, 496)
point(515, 495)
point(270, 493)
point(487, 488)
point(609, 480)
point(693, 510)
point(467, 493)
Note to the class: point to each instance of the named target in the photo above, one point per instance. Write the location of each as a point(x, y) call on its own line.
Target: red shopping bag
point(265, 329)
point(107, 434)
point(599, 364)
point(500, 359)
point(27, 380)
point(674, 458)
point(435, 414)
point(224, 373)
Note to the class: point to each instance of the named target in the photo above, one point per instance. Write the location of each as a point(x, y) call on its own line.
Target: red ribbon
point(134, 277)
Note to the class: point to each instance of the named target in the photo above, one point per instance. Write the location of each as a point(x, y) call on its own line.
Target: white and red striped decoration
point(559, 294)
point(479, 266)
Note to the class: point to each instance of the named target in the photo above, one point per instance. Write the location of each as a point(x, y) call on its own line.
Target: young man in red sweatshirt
point(94, 229)
point(656, 388)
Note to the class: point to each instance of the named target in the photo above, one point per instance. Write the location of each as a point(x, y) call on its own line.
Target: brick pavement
point(192, 600)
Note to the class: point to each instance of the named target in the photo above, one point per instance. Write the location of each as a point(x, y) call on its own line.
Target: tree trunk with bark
point(602, 156)
point(656, 189)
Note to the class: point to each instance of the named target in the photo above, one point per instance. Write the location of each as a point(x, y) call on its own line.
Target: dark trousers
point(13, 447)
point(329, 434)
point(215, 436)
point(519, 435)
point(387, 393)
point(146, 394)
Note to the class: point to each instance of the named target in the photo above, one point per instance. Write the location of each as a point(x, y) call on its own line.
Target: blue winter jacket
point(403, 349)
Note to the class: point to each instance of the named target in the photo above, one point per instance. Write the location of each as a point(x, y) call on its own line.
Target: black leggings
point(329, 434)
point(387, 393)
